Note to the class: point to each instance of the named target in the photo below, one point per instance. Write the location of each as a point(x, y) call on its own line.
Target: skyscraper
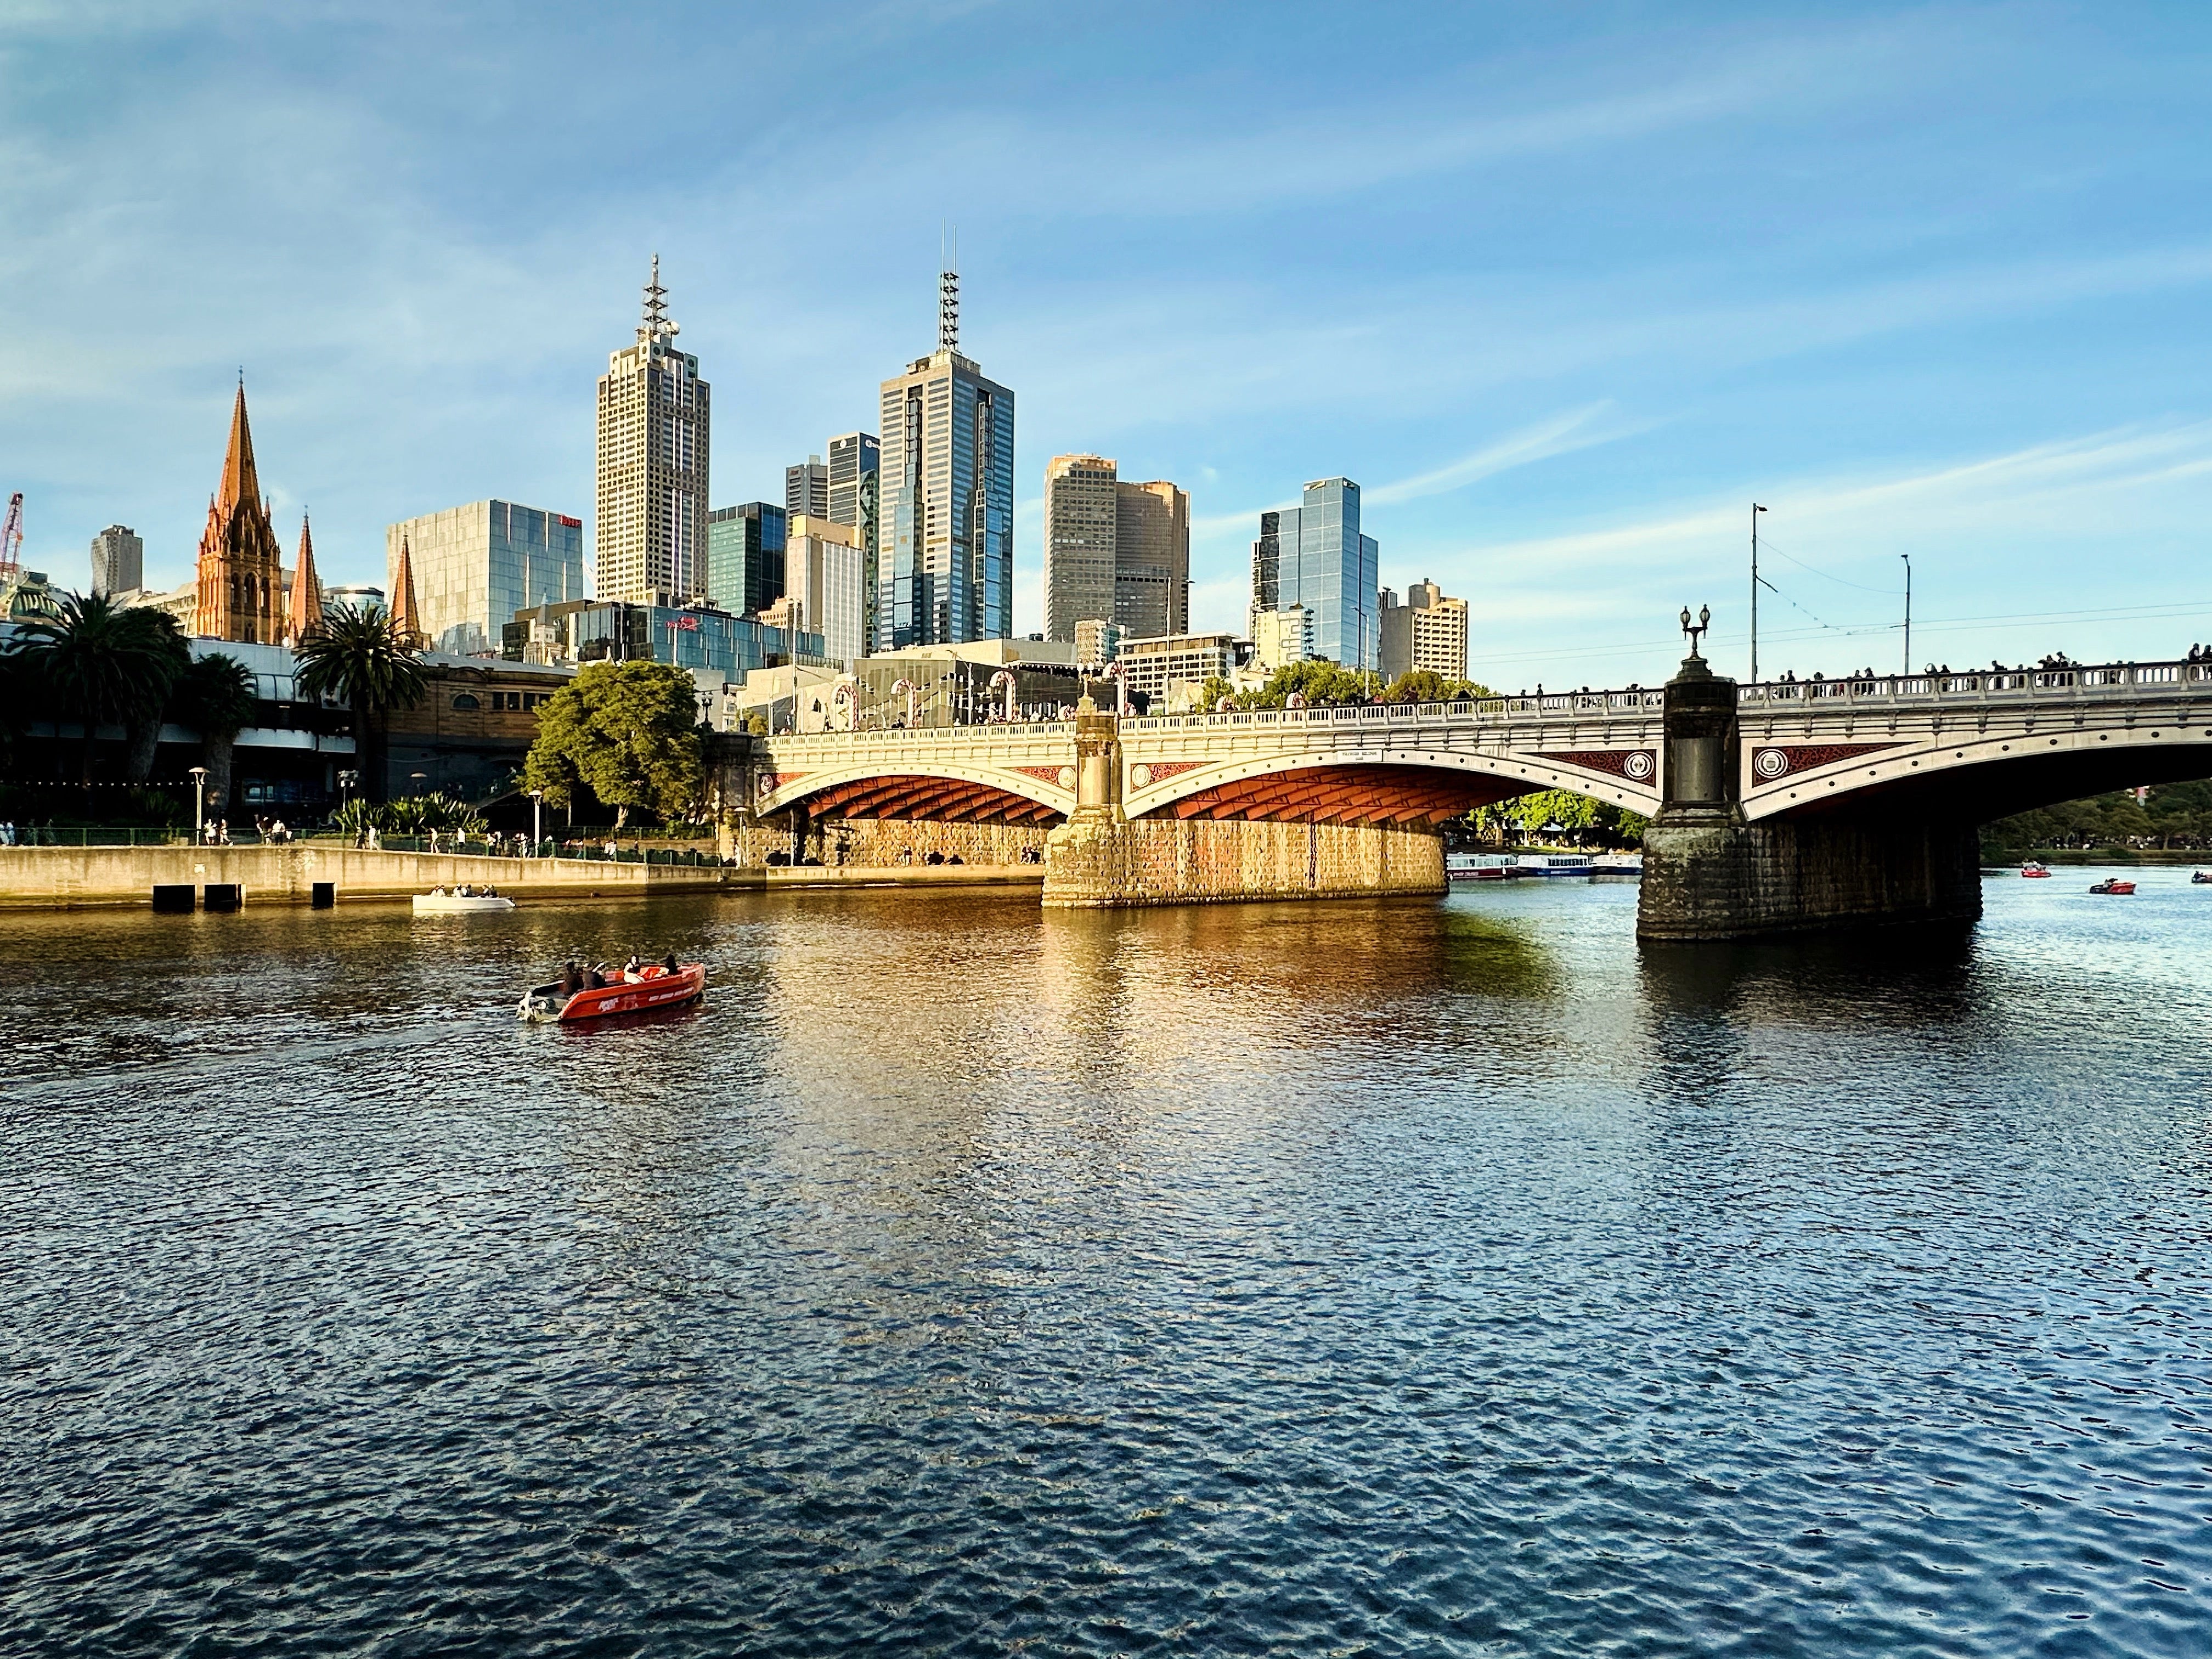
point(118, 561)
point(945, 567)
point(1114, 551)
point(1314, 555)
point(1151, 558)
point(653, 444)
point(745, 557)
point(855, 480)
point(1080, 516)
point(475, 566)
point(806, 488)
point(239, 570)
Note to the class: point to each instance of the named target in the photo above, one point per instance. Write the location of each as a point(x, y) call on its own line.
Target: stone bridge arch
point(1378, 785)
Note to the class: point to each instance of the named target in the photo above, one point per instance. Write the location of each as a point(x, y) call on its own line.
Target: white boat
point(441, 902)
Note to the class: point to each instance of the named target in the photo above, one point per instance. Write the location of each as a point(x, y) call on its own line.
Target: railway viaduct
point(1775, 808)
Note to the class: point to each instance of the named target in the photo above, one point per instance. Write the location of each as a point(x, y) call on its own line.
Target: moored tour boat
point(2031, 869)
point(653, 986)
point(2113, 884)
point(439, 902)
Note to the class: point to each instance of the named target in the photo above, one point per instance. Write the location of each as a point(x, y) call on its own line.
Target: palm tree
point(367, 661)
point(216, 696)
point(104, 663)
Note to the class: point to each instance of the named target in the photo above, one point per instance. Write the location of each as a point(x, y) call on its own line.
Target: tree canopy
point(366, 660)
point(1426, 685)
point(100, 663)
point(1323, 684)
point(628, 732)
point(1533, 816)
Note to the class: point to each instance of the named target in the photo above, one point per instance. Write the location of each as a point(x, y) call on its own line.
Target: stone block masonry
point(1148, 861)
point(1744, 881)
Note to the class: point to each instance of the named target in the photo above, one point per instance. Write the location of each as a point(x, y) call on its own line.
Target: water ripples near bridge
point(1384, 1279)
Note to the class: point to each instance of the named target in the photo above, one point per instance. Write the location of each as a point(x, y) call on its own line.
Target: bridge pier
point(1709, 874)
point(1101, 859)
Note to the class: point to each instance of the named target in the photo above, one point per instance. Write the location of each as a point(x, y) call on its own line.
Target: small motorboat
point(651, 986)
point(2113, 884)
point(439, 902)
point(2201, 879)
point(2032, 871)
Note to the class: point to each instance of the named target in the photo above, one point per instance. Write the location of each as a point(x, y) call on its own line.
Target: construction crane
point(11, 540)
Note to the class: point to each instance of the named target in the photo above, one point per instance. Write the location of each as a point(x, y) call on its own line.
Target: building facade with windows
point(1158, 666)
point(822, 560)
point(945, 570)
point(1096, 642)
point(653, 427)
point(745, 556)
point(1315, 556)
point(855, 491)
point(698, 637)
point(1114, 551)
point(806, 488)
point(1429, 631)
point(118, 561)
point(475, 565)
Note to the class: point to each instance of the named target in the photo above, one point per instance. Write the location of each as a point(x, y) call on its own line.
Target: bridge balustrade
point(2007, 685)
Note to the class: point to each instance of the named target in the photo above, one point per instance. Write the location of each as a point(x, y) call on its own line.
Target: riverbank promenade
point(125, 877)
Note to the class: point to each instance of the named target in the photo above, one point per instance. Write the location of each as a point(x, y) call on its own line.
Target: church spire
point(306, 605)
point(241, 481)
point(406, 614)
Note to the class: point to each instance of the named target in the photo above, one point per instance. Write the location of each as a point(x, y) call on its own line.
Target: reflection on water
point(1392, 1278)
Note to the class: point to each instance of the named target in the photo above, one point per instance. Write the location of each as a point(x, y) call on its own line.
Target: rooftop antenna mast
point(656, 323)
point(948, 293)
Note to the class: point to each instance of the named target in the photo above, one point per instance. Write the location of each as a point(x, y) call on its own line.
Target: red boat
point(2032, 871)
point(2114, 885)
point(653, 986)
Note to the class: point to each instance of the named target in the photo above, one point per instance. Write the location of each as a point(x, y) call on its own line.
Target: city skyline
point(1908, 278)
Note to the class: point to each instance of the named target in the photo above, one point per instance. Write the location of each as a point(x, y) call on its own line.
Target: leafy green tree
point(100, 663)
point(368, 662)
point(1426, 685)
point(1321, 684)
point(216, 697)
point(628, 732)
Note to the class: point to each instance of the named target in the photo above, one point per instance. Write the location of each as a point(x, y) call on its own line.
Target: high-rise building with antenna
point(652, 447)
point(945, 544)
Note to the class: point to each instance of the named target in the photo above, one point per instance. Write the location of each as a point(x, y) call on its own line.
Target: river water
point(1403, 1278)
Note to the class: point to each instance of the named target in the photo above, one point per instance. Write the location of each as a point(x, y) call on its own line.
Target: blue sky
point(1564, 288)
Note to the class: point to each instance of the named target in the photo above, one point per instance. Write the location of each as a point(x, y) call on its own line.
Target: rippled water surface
point(1407, 1277)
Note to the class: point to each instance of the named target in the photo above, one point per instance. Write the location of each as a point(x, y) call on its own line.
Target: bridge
point(1776, 806)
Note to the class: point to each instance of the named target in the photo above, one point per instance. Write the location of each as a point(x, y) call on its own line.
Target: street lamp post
point(199, 804)
point(1908, 558)
point(537, 822)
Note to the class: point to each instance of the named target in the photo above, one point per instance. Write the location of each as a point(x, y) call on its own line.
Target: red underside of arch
point(938, 800)
point(1347, 794)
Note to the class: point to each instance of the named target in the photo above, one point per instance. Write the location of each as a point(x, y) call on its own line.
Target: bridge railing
point(2072, 681)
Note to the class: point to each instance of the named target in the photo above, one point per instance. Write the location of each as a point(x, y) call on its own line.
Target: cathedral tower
point(241, 585)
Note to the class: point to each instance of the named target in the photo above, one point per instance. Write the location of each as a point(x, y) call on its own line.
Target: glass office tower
point(1314, 555)
point(745, 557)
point(946, 564)
point(475, 566)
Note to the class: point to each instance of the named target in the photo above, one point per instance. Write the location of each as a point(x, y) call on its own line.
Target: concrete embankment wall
point(1200, 861)
point(71, 877)
point(111, 877)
